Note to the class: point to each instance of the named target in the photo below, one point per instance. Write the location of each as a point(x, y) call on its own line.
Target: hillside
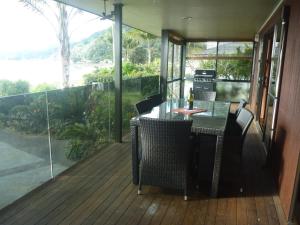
point(93, 48)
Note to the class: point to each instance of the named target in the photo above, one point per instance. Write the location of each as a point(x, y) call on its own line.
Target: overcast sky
point(23, 29)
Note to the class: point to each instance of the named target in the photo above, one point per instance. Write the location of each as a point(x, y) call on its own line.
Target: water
point(37, 71)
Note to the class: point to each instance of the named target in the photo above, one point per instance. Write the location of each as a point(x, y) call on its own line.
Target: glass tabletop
point(214, 117)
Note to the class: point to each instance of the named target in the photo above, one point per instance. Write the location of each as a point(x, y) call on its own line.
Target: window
point(174, 70)
point(231, 60)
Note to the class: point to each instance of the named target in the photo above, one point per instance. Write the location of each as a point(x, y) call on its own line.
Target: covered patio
point(261, 190)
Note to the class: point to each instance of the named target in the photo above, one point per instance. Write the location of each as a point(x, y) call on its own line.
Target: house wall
point(287, 138)
point(286, 148)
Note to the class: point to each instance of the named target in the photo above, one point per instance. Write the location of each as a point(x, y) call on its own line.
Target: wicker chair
point(143, 106)
point(241, 105)
point(236, 133)
point(244, 120)
point(155, 99)
point(205, 95)
point(165, 153)
point(232, 116)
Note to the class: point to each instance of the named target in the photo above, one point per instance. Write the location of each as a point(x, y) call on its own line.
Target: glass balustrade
point(43, 134)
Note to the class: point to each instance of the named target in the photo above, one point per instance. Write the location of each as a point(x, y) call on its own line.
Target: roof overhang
point(193, 19)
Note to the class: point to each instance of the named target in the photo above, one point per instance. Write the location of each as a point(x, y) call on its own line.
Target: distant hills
point(84, 50)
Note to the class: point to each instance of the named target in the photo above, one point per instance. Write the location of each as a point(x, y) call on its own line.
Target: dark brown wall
point(287, 137)
point(287, 140)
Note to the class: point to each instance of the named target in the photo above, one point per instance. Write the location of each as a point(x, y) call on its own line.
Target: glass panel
point(243, 49)
point(24, 149)
point(268, 130)
point(177, 61)
point(192, 65)
point(176, 89)
point(135, 90)
point(173, 91)
point(275, 59)
point(187, 85)
point(170, 61)
point(234, 69)
point(214, 118)
point(226, 91)
point(170, 91)
point(201, 49)
point(81, 122)
point(232, 91)
point(200, 55)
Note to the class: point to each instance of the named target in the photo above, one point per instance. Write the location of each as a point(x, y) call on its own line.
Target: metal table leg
point(217, 166)
point(135, 154)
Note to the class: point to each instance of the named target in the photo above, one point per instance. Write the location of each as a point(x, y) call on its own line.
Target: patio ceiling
point(210, 19)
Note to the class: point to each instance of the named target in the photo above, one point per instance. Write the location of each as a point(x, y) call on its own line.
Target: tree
point(63, 16)
point(143, 37)
point(13, 88)
point(44, 87)
point(129, 43)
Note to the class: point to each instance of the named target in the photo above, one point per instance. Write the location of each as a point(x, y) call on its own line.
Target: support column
point(182, 68)
point(118, 70)
point(164, 63)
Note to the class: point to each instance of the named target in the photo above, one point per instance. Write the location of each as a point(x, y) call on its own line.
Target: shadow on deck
point(99, 191)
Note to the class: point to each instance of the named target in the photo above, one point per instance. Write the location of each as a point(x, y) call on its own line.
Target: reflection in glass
point(192, 65)
point(177, 61)
point(135, 90)
point(235, 49)
point(202, 48)
point(233, 91)
point(81, 122)
point(274, 61)
point(234, 69)
point(268, 130)
point(226, 91)
point(173, 91)
point(170, 60)
point(24, 149)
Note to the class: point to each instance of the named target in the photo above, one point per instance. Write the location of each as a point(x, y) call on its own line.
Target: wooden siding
point(99, 191)
point(287, 140)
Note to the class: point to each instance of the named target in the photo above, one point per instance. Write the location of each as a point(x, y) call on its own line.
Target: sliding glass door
point(174, 80)
point(271, 53)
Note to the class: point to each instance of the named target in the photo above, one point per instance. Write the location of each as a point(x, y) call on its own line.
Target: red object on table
point(188, 111)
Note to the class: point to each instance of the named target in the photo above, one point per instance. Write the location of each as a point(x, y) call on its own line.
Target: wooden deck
point(99, 191)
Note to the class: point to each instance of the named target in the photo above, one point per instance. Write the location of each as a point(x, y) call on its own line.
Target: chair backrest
point(155, 99)
point(205, 95)
point(244, 120)
point(143, 106)
point(241, 105)
point(165, 149)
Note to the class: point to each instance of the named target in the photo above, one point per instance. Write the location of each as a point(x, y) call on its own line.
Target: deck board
point(99, 191)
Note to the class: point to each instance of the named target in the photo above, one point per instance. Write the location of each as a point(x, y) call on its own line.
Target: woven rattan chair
point(244, 120)
point(165, 153)
point(236, 133)
point(205, 95)
point(232, 116)
point(242, 104)
point(155, 99)
point(143, 106)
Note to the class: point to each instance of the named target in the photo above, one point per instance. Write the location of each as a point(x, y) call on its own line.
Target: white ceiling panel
point(210, 19)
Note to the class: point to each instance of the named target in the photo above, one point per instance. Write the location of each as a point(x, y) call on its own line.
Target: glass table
point(213, 122)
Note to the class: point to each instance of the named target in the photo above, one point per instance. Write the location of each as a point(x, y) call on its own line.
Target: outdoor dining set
point(166, 139)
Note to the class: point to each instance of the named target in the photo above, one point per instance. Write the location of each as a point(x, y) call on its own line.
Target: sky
point(23, 30)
